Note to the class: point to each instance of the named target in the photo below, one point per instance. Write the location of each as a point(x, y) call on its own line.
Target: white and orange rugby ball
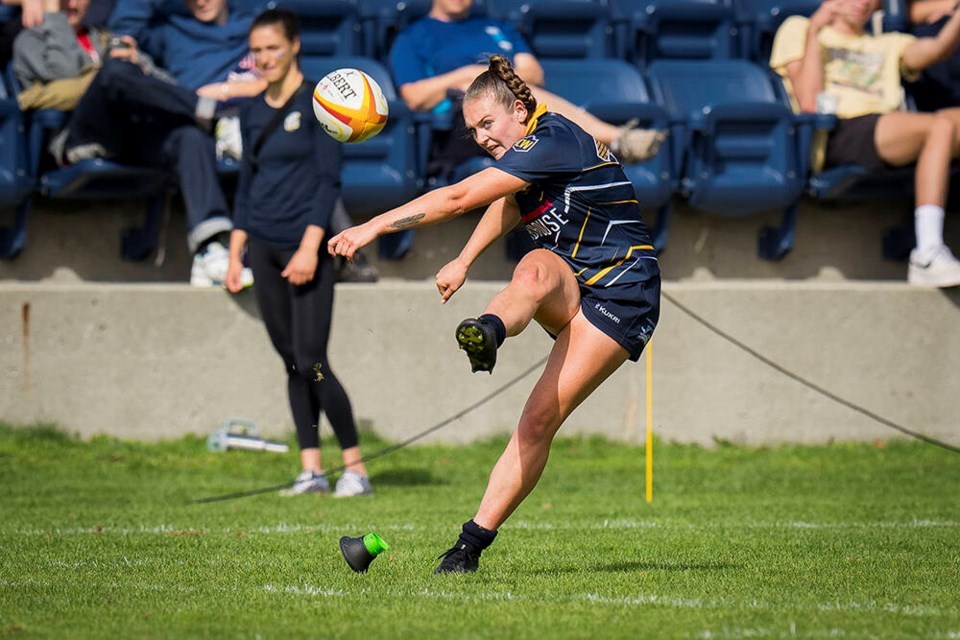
point(350, 105)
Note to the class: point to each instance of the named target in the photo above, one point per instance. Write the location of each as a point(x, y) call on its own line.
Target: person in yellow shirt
point(829, 58)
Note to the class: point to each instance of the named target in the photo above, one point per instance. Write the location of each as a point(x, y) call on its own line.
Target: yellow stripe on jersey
point(532, 123)
point(631, 201)
point(601, 165)
point(605, 271)
point(580, 237)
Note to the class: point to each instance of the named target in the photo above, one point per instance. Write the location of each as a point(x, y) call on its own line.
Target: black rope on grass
point(810, 385)
point(390, 449)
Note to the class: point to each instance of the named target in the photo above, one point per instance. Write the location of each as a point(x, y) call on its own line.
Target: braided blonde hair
point(503, 83)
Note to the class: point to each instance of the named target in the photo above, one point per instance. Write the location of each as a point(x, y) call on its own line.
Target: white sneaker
point(229, 141)
point(210, 267)
point(935, 267)
point(352, 484)
point(307, 482)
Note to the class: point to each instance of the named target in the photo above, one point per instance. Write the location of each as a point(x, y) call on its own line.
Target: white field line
point(167, 529)
point(635, 601)
point(593, 599)
point(520, 525)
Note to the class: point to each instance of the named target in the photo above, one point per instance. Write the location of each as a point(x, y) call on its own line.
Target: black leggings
point(298, 321)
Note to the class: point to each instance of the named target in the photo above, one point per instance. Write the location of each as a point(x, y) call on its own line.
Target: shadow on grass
point(409, 477)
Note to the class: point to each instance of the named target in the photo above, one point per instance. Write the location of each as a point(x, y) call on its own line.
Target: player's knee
point(532, 276)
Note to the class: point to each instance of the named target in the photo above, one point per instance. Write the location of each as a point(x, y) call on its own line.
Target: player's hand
point(301, 268)
point(233, 282)
point(450, 278)
point(348, 242)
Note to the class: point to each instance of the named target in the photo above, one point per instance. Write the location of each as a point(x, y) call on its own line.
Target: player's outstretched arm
point(433, 207)
point(499, 218)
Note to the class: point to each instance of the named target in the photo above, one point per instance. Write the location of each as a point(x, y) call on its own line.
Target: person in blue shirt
point(289, 184)
point(437, 57)
point(593, 282)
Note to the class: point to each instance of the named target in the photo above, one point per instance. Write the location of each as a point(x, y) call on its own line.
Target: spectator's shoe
point(229, 142)
point(80, 152)
point(359, 270)
point(935, 267)
point(637, 145)
point(210, 265)
point(460, 558)
point(479, 340)
point(352, 484)
point(307, 482)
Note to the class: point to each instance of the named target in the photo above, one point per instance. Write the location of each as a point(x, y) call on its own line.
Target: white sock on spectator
point(928, 223)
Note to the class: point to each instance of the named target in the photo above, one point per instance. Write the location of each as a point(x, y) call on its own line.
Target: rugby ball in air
point(350, 105)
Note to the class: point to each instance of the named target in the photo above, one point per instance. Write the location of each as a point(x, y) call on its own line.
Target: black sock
point(497, 325)
point(476, 536)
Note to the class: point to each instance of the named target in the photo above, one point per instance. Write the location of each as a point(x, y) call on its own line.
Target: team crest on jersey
point(292, 121)
point(525, 144)
point(603, 152)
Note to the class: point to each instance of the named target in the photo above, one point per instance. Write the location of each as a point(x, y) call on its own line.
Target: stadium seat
point(384, 19)
point(15, 181)
point(327, 27)
point(651, 30)
point(380, 173)
point(88, 179)
point(560, 28)
point(742, 153)
point(615, 91)
point(758, 21)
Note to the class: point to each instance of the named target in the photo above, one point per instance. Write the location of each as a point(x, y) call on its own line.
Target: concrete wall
point(99, 345)
point(159, 360)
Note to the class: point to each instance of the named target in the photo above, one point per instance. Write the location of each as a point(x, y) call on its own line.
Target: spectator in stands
point(436, 58)
point(593, 282)
point(56, 60)
point(937, 87)
point(830, 56)
point(200, 57)
point(142, 119)
point(289, 184)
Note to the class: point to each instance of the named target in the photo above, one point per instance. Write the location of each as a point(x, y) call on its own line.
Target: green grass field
point(841, 541)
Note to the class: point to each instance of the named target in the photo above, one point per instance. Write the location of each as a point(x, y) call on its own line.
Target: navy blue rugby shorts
point(627, 314)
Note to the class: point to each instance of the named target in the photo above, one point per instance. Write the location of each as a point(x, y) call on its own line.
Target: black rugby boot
point(479, 340)
point(460, 558)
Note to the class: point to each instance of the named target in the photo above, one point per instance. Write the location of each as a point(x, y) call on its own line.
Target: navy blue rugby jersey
point(580, 204)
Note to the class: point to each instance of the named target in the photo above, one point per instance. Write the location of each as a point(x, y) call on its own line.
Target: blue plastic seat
point(560, 28)
point(649, 30)
point(380, 173)
point(88, 179)
point(15, 183)
point(742, 152)
point(758, 21)
point(328, 27)
point(616, 92)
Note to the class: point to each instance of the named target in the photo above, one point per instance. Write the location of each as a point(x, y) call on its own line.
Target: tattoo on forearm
point(409, 221)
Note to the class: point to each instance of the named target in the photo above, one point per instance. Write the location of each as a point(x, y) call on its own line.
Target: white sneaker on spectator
point(229, 142)
point(936, 267)
point(210, 265)
point(352, 484)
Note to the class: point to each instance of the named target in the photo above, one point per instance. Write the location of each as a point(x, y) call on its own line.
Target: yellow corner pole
point(649, 446)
